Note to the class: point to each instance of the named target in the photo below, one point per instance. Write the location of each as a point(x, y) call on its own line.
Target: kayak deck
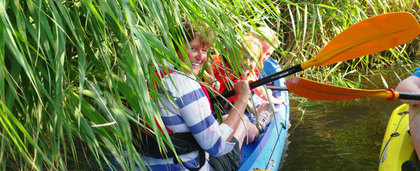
point(397, 146)
point(265, 152)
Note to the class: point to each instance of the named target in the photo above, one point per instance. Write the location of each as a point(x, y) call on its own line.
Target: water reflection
point(343, 135)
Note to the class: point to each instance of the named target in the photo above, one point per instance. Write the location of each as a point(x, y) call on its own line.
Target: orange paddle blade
point(369, 36)
point(320, 91)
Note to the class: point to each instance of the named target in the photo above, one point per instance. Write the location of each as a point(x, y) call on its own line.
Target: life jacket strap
point(184, 143)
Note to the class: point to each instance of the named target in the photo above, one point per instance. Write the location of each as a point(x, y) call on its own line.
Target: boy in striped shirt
point(189, 111)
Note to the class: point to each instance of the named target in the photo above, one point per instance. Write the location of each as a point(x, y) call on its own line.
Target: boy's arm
point(260, 91)
point(234, 118)
point(410, 84)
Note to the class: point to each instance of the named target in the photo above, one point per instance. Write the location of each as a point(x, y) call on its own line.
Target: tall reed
point(69, 68)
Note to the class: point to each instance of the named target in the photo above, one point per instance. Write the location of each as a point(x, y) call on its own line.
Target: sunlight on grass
point(69, 65)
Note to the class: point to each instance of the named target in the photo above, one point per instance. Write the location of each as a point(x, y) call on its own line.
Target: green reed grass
point(313, 24)
point(69, 68)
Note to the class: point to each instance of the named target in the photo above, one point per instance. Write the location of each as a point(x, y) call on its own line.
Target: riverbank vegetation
point(69, 67)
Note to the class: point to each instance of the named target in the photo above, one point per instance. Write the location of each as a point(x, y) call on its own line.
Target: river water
point(345, 135)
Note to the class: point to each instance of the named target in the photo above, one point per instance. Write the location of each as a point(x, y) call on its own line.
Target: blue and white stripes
point(189, 111)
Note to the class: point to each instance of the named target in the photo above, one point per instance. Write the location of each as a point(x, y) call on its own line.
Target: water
point(344, 135)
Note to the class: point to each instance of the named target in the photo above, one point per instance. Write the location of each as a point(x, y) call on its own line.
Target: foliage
point(69, 68)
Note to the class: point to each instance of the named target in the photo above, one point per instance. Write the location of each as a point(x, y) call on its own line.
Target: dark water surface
point(344, 135)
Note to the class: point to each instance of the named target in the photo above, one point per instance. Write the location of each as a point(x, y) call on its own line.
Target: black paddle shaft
point(262, 81)
point(278, 88)
point(409, 96)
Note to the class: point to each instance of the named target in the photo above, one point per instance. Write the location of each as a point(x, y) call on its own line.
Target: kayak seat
point(410, 166)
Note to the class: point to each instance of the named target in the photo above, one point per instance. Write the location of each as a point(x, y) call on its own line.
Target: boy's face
point(247, 63)
point(267, 49)
point(197, 55)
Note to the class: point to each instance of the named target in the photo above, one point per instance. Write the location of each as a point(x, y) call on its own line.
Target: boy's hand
point(242, 90)
point(278, 100)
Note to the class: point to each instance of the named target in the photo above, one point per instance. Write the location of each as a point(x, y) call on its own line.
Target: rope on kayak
point(395, 134)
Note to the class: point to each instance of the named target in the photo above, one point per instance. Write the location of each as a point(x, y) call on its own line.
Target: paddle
point(278, 88)
point(369, 36)
point(320, 91)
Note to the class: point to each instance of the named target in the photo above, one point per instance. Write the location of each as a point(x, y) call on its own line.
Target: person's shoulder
point(179, 82)
point(417, 73)
point(179, 77)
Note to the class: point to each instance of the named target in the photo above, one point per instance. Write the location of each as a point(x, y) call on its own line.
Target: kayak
point(397, 146)
point(265, 152)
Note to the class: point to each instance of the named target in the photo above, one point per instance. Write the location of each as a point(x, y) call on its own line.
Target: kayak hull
point(265, 153)
point(397, 146)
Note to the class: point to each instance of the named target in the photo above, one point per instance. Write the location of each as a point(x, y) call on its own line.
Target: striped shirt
point(188, 110)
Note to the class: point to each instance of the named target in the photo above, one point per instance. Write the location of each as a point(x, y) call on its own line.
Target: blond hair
point(270, 34)
point(192, 31)
point(253, 46)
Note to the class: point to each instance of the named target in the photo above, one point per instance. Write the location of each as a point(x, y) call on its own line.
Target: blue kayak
point(265, 153)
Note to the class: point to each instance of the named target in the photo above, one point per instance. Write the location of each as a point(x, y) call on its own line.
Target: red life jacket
point(224, 77)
